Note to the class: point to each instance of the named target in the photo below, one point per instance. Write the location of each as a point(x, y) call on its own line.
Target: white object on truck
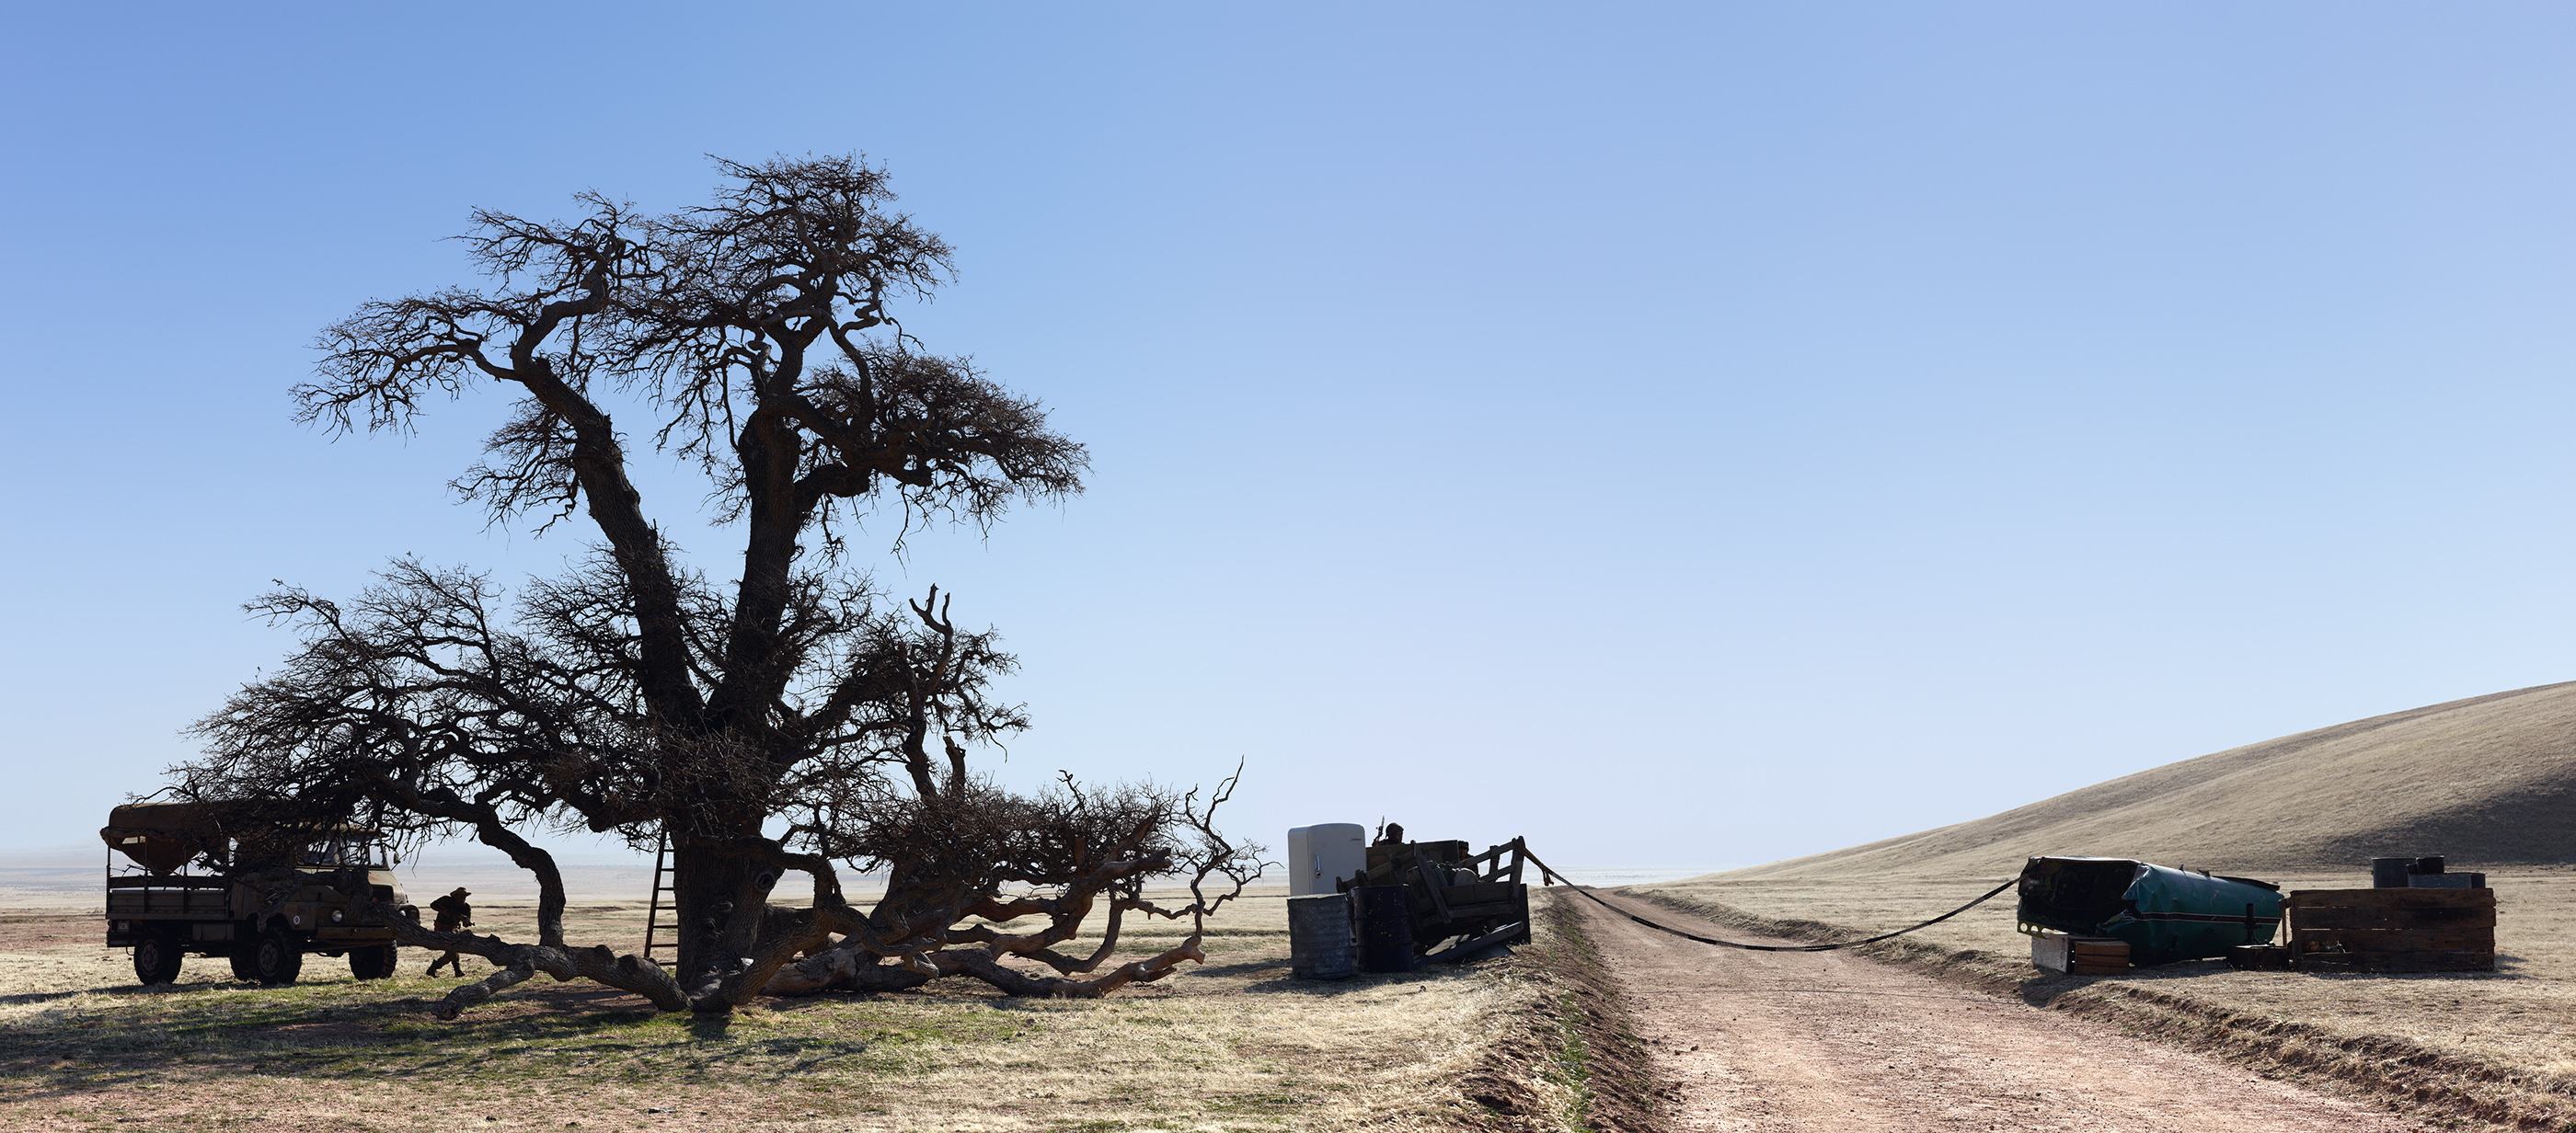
point(1322, 856)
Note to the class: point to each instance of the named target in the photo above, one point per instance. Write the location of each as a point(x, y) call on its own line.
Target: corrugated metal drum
point(1385, 927)
point(1319, 937)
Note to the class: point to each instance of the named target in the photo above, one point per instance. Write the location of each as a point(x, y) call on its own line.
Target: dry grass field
point(1539, 1043)
point(2489, 781)
point(2507, 1038)
point(1231, 1045)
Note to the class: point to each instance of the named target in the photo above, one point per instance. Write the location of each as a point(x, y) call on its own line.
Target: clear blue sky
point(1693, 433)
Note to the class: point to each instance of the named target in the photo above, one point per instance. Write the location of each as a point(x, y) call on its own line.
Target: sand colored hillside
point(2488, 781)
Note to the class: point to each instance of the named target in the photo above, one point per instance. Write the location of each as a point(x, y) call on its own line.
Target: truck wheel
point(156, 960)
point(276, 960)
point(244, 967)
point(372, 963)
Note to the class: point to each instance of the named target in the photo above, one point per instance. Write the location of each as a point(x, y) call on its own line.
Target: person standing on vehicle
point(454, 915)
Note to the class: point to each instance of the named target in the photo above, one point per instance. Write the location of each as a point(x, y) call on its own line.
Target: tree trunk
point(719, 898)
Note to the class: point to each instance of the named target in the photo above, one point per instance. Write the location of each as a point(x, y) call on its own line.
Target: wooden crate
point(2391, 930)
point(2055, 951)
point(1382, 855)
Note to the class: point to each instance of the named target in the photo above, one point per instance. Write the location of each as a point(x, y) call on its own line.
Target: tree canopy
point(789, 720)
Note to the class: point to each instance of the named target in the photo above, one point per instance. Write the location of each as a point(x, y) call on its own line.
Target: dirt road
point(1811, 1042)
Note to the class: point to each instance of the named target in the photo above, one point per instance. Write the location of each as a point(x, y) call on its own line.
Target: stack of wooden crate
point(2392, 930)
point(2054, 951)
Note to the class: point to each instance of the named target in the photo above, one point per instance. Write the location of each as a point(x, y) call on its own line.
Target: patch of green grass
point(1570, 1064)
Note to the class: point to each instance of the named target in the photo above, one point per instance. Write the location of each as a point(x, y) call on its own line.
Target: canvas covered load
point(165, 837)
point(161, 837)
point(2164, 914)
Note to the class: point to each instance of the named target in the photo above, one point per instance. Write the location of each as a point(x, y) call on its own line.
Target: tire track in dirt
point(1769, 1042)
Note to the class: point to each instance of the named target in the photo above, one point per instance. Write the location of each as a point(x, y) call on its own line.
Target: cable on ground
point(1788, 947)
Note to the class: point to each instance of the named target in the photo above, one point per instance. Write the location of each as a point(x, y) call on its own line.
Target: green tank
point(2164, 914)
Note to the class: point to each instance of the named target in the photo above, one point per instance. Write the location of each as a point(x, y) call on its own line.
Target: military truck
point(260, 897)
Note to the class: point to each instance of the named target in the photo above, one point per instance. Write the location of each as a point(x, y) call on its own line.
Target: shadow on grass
point(46, 996)
point(1361, 981)
point(121, 991)
point(1243, 969)
point(158, 1037)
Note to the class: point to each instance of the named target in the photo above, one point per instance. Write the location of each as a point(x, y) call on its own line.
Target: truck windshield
point(336, 851)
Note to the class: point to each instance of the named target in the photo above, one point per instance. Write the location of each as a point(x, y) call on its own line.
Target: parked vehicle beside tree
point(261, 897)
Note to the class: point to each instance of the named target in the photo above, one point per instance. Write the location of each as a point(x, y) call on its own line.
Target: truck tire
point(277, 959)
point(243, 967)
point(156, 960)
point(374, 962)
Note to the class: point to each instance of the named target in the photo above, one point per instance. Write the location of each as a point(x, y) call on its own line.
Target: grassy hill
point(2488, 781)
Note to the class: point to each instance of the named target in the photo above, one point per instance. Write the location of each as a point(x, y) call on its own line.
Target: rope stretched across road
point(1989, 895)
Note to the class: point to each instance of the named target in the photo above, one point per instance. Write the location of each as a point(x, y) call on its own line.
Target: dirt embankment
point(1571, 1057)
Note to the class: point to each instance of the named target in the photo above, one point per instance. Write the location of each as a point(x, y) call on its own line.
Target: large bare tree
point(790, 721)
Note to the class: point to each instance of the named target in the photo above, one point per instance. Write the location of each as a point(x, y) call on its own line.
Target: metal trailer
point(263, 918)
point(1469, 902)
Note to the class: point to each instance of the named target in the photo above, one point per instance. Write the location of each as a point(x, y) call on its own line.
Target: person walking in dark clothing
point(454, 915)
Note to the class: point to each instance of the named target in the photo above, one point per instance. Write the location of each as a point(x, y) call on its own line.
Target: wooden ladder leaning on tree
point(653, 927)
